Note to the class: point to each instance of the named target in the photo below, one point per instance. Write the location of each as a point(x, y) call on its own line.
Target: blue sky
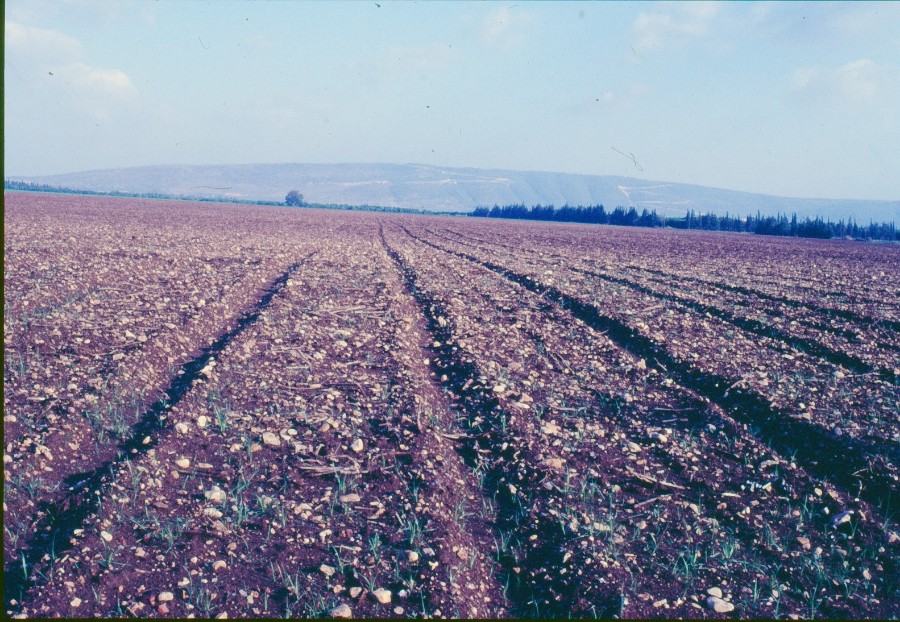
point(794, 99)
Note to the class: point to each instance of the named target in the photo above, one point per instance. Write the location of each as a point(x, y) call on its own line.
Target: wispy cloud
point(506, 27)
point(857, 82)
point(51, 59)
point(672, 28)
point(39, 46)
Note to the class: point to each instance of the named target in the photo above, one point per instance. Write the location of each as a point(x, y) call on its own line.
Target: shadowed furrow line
point(805, 442)
point(821, 325)
point(551, 596)
point(62, 518)
point(851, 316)
point(756, 327)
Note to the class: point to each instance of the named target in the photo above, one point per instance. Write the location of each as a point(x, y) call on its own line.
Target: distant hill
point(434, 188)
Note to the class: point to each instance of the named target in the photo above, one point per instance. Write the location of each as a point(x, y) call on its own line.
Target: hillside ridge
point(443, 188)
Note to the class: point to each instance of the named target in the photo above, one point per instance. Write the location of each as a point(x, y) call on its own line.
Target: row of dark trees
point(762, 225)
point(27, 186)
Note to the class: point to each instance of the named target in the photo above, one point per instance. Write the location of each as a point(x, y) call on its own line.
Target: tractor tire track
point(846, 314)
point(53, 533)
point(835, 357)
point(507, 473)
point(806, 442)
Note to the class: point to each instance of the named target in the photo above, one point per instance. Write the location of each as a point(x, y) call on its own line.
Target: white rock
point(270, 439)
point(357, 445)
point(843, 517)
point(351, 498)
point(107, 537)
point(219, 565)
point(202, 421)
point(215, 494)
point(714, 591)
point(718, 605)
point(183, 463)
point(166, 597)
point(341, 611)
point(355, 591)
point(76, 602)
point(327, 570)
point(555, 463)
point(382, 595)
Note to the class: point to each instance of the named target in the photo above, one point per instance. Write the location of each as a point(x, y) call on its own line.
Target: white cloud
point(856, 82)
point(40, 46)
point(506, 27)
point(661, 30)
point(50, 61)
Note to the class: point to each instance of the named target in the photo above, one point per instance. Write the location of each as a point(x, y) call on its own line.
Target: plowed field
point(218, 410)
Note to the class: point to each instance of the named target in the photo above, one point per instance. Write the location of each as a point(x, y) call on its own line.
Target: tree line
point(761, 225)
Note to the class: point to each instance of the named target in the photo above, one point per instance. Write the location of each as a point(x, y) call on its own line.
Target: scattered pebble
point(843, 517)
point(341, 611)
point(718, 605)
point(215, 494)
point(270, 439)
point(165, 597)
point(382, 595)
point(327, 570)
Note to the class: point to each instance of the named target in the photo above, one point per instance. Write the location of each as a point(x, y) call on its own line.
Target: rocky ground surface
point(230, 411)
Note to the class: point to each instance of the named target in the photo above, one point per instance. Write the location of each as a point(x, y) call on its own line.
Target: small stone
point(555, 463)
point(804, 542)
point(412, 556)
point(382, 595)
point(357, 445)
point(270, 439)
point(139, 552)
point(718, 605)
point(165, 597)
point(75, 602)
point(212, 513)
point(215, 494)
point(163, 608)
point(327, 570)
point(843, 517)
point(355, 591)
point(714, 591)
point(183, 463)
point(181, 427)
point(219, 565)
point(202, 421)
point(350, 498)
point(107, 537)
point(342, 611)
